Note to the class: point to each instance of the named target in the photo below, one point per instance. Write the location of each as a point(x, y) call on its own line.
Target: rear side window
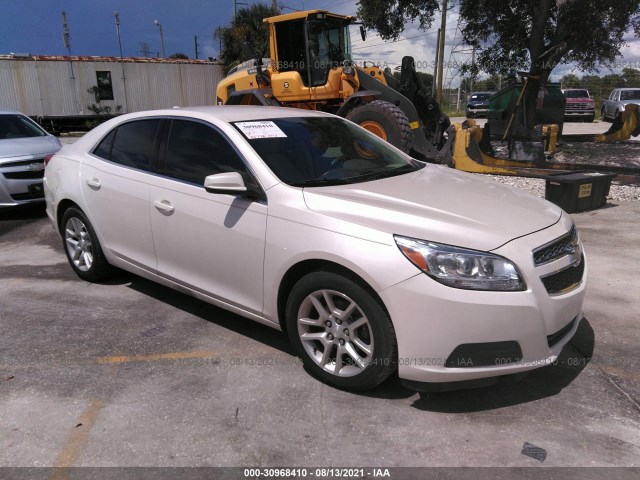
point(131, 144)
point(103, 150)
point(195, 150)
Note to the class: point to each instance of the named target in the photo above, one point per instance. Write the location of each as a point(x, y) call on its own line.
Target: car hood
point(20, 147)
point(440, 205)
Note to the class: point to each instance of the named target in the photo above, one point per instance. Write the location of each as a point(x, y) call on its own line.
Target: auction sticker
point(261, 129)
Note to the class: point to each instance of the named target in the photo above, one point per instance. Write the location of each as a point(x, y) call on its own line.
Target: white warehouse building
point(64, 92)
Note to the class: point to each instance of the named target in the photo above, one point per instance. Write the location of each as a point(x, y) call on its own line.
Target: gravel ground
point(536, 186)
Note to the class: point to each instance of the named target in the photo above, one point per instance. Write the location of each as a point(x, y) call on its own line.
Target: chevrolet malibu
point(371, 262)
point(23, 146)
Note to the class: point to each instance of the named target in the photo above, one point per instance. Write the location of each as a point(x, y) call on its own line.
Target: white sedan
point(372, 262)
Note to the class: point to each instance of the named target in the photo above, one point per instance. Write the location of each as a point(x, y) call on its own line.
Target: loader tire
point(386, 121)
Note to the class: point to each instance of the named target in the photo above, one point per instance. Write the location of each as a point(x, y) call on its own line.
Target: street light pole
point(157, 23)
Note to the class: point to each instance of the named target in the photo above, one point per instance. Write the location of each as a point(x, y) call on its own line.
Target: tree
point(570, 80)
point(246, 26)
point(533, 36)
point(493, 83)
point(179, 56)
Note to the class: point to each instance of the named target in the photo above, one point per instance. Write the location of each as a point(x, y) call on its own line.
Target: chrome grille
point(579, 106)
point(565, 245)
point(565, 280)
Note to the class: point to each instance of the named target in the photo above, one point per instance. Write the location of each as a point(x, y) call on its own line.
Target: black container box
point(579, 191)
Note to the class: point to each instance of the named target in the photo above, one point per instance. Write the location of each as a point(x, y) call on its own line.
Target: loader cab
point(310, 43)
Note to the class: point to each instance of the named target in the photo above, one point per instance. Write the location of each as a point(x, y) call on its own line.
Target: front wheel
point(344, 336)
point(386, 121)
point(603, 115)
point(82, 247)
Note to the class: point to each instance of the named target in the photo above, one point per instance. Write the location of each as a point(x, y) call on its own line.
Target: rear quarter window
point(131, 144)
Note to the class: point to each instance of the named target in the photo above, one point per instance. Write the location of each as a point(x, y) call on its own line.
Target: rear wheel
point(603, 116)
point(386, 121)
point(344, 336)
point(82, 247)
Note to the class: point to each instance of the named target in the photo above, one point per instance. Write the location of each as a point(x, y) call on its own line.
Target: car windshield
point(576, 94)
point(481, 96)
point(321, 151)
point(630, 95)
point(18, 126)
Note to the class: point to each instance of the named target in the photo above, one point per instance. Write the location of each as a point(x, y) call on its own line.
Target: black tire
point(386, 117)
point(339, 341)
point(603, 117)
point(88, 261)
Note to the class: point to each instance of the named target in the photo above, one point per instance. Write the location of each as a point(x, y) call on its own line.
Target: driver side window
point(195, 151)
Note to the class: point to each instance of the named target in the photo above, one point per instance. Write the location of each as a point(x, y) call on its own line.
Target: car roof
point(212, 114)
point(230, 113)
point(627, 89)
point(6, 111)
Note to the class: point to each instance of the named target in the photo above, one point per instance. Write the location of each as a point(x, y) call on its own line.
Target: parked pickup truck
point(579, 105)
point(619, 98)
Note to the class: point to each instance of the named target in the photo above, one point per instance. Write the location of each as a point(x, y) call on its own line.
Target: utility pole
point(217, 33)
point(274, 5)
point(443, 34)
point(124, 82)
point(434, 86)
point(473, 64)
point(235, 6)
point(65, 39)
point(117, 15)
point(195, 41)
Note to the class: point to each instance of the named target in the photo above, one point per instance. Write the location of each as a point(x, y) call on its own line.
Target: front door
point(212, 243)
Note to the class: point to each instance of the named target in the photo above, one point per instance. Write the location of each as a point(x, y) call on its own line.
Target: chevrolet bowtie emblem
point(35, 167)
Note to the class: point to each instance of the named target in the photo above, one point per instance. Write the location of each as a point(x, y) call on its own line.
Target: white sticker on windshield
point(261, 129)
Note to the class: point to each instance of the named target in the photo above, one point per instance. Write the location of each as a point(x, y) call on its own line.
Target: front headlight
point(461, 268)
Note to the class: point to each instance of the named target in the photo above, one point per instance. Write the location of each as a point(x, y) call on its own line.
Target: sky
point(35, 27)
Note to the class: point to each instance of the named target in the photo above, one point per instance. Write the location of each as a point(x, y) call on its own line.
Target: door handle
point(94, 183)
point(164, 206)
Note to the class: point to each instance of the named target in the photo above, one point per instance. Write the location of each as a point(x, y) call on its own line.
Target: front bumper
point(21, 180)
point(580, 114)
point(435, 323)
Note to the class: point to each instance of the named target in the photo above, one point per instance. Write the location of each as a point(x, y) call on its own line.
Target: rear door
point(211, 243)
point(115, 184)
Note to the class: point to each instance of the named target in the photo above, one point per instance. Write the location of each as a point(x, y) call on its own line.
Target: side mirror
point(230, 183)
point(363, 33)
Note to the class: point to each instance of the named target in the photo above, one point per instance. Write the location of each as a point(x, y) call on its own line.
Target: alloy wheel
point(335, 333)
point(78, 242)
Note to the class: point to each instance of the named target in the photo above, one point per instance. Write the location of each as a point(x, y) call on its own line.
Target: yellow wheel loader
point(311, 68)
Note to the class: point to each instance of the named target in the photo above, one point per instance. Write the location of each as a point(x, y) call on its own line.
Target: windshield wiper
point(322, 182)
point(378, 174)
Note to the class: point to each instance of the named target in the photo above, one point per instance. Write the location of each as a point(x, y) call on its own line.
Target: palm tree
point(246, 26)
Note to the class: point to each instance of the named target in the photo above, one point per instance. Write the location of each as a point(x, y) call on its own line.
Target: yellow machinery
point(310, 67)
point(470, 155)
